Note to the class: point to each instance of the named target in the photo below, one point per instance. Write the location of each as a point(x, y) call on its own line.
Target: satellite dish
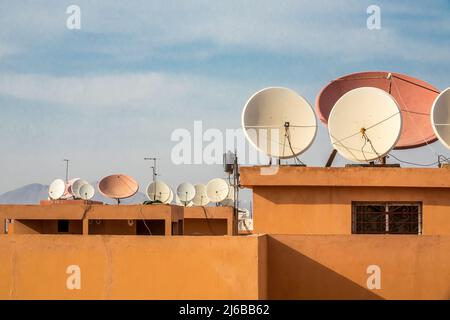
point(186, 192)
point(57, 189)
point(86, 191)
point(178, 201)
point(414, 97)
point(158, 191)
point(70, 186)
point(118, 186)
point(440, 117)
point(279, 122)
point(217, 189)
point(170, 199)
point(76, 187)
point(201, 197)
point(229, 200)
point(365, 124)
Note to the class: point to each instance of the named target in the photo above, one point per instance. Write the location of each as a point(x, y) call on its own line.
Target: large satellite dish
point(414, 97)
point(440, 117)
point(86, 191)
point(76, 187)
point(186, 192)
point(217, 189)
point(279, 122)
point(57, 189)
point(365, 124)
point(201, 197)
point(118, 186)
point(158, 191)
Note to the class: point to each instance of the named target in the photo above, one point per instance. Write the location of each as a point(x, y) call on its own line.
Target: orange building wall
point(132, 267)
point(335, 267)
point(299, 200)
point(328, 210)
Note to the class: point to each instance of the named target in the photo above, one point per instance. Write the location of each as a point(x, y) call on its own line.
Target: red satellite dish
point(414, 97)
point(118, 186)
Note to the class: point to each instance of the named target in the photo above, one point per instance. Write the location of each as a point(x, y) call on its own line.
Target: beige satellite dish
point(158, 191)
point(440, 117)
point(186, 192)
point(201, 197)
point(86, 191)
point(217, 190)
point(365, 124)
point(279, 122)
point(76, 187)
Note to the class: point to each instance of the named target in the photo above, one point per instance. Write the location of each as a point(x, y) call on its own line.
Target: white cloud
point(323, 28)
point(145, 90)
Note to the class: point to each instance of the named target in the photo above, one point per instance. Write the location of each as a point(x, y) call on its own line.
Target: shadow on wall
point(295, 276)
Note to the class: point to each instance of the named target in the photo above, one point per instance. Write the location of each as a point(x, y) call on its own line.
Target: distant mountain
point(34, 193)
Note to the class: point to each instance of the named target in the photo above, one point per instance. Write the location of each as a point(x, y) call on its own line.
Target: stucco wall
point(328, 210)
point(335, 267)
point(132, 267)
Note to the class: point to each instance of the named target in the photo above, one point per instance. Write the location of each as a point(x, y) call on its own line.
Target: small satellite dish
point(201, 197)
point(76, 187)
point(440, 117)
point(118, 186)
point(86, 191)
point(178, 201)
point(186, 192)
point(229, 200)
point(279, 122)
point(70, 184)
point(170, 199)
point(57, 189)
point(158, 191)
point(217, 189)
point(365, 124)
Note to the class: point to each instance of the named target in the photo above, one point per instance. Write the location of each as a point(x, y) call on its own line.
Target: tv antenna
point(153, 167)
point(67, 169)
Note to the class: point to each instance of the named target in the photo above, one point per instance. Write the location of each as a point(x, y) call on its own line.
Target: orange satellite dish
point(118, 186)
point(414, 97)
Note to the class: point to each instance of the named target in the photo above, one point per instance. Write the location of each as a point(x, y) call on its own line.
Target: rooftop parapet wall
point(345, 177)
point(132, 267)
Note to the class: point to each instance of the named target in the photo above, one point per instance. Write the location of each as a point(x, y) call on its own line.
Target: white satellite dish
point(70, 184)
point(440, 117)
point(158, 191)
point(75, 190)
point(57, 189)
point(279, 122)
point(217, 189)
point(201, 197)
point(178, 201)
point(186, 192)
point(365, 124)
point(86, 191)
point(229, 200)
point(170, 199)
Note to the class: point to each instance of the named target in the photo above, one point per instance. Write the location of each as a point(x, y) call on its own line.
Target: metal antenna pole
point(67, 169)
point(153, 167)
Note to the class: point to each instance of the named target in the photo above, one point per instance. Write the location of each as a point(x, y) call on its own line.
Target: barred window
point(386, 218)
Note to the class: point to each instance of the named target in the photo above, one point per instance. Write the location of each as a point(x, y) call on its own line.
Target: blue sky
point(113, 92)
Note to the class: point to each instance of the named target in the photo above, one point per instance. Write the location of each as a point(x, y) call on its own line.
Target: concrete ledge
point(345, 177)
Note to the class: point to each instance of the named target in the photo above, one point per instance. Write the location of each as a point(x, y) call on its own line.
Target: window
point(386, 218)
point(63, 226)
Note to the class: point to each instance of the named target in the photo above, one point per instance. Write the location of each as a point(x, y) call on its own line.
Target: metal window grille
point(386, 218)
